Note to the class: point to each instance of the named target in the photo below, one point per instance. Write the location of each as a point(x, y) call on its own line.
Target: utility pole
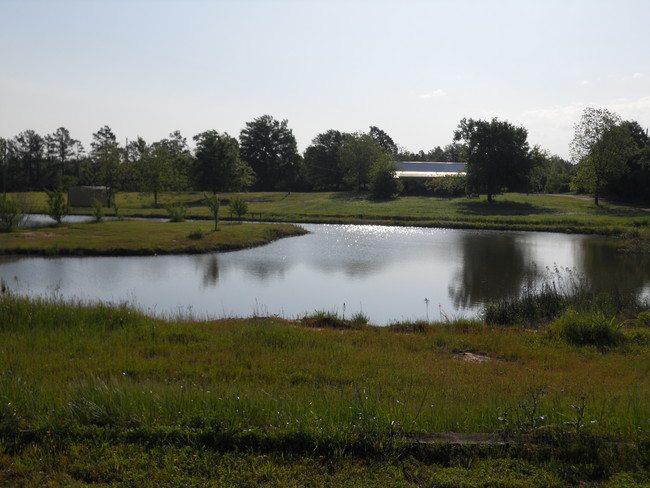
point(3, 143)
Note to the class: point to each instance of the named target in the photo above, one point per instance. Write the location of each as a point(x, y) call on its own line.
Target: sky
point(412, 68)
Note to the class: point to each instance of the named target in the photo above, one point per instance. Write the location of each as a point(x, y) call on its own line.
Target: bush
point(589, 329)
point(238, 206)
point(176, 211)
point(11, 214)
point(447, 186)
point(57, 205)
point(98, 211)
point(196, 234)
point(383, 183)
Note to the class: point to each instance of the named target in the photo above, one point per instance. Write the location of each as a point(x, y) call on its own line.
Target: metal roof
point(428, 169)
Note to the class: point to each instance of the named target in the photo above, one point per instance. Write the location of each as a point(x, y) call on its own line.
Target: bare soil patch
point(37, 235)
point(471, 357)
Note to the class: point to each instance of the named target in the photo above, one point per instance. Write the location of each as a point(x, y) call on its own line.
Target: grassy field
point(511, 211)
point(98, 394)
point(130, 237)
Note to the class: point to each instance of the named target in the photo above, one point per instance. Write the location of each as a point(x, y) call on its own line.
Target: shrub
point(383, 183)
point(98, 211)
point(359, 318)
point(176, 211)
point(594, 329)
point(57, 205)
point(196, 234)
point(447, 186)
point(238, 206)
point(11, 214)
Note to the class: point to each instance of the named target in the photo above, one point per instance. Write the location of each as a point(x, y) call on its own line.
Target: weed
point(177, 212)
point(196, 234)
point(98, 211)
point(594, 329)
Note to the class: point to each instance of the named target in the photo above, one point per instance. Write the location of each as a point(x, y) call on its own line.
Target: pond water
point(384, 272)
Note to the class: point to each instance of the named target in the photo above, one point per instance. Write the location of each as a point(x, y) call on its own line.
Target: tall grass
point(97, 365)
point(561, 289)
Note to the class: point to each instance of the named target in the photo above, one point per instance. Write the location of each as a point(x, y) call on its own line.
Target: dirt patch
point(37, 235)
point(454, 438)
point(471, 357)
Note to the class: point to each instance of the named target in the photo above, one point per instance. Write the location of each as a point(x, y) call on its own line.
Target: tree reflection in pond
point(494, 265)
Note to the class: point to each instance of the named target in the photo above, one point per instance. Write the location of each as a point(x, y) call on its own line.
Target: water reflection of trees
point(493, 265)
point(211, 271)
point(609, 270)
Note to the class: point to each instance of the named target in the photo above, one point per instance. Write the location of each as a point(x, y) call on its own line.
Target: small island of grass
point(136, 237)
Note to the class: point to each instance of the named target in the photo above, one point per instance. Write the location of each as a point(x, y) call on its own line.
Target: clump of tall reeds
point(560, 290)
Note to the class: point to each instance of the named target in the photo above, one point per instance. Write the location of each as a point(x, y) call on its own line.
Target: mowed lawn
point(133, 237)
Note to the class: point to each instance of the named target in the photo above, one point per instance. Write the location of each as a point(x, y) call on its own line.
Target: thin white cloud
point(585, 82)
point(435, 93)
point(637, 76)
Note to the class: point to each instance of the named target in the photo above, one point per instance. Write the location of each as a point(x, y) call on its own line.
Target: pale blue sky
point(412, 68)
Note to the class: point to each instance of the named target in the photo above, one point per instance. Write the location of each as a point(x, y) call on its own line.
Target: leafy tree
point(270, 149)
point(61, 148)
point(57, 205)
point(238, 206)
point(156, 172)
point(358, 154)
point(26, 161)
point(4, 149)
point(497, 156)
point(550, 173)
point(601, 146)
point(218, 166)
point(213, 204)
point(182, 160)
point(11, 213)
point(323, 161)
point(383, 140)
point(383, 183)
point(633, 183)
point(106, 158)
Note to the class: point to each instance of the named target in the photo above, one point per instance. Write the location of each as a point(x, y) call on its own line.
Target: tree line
point(609, 157)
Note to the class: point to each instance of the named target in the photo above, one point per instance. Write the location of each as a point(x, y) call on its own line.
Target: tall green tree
point(4, 159)
point(601, 146)
point(323, 161)
point(270, 148)
point(383, 140)
point(497, 156)
point(27, 161)
point(182, 160)
point(156, 172)
point(61, 149)
point(106, 158)
point(218, 166)
point(358, 154)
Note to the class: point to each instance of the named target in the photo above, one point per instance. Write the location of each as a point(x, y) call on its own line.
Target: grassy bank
point(129, 237)
point(96, 393)
point(511, 211)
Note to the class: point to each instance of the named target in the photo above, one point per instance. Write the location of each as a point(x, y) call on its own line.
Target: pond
point(388, 273)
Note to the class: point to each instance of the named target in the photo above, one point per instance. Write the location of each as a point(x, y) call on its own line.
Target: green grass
point(84, 382)
point(130, 237)
point(510, 211)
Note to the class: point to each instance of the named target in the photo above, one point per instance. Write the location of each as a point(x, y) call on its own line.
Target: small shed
point(85, 196)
